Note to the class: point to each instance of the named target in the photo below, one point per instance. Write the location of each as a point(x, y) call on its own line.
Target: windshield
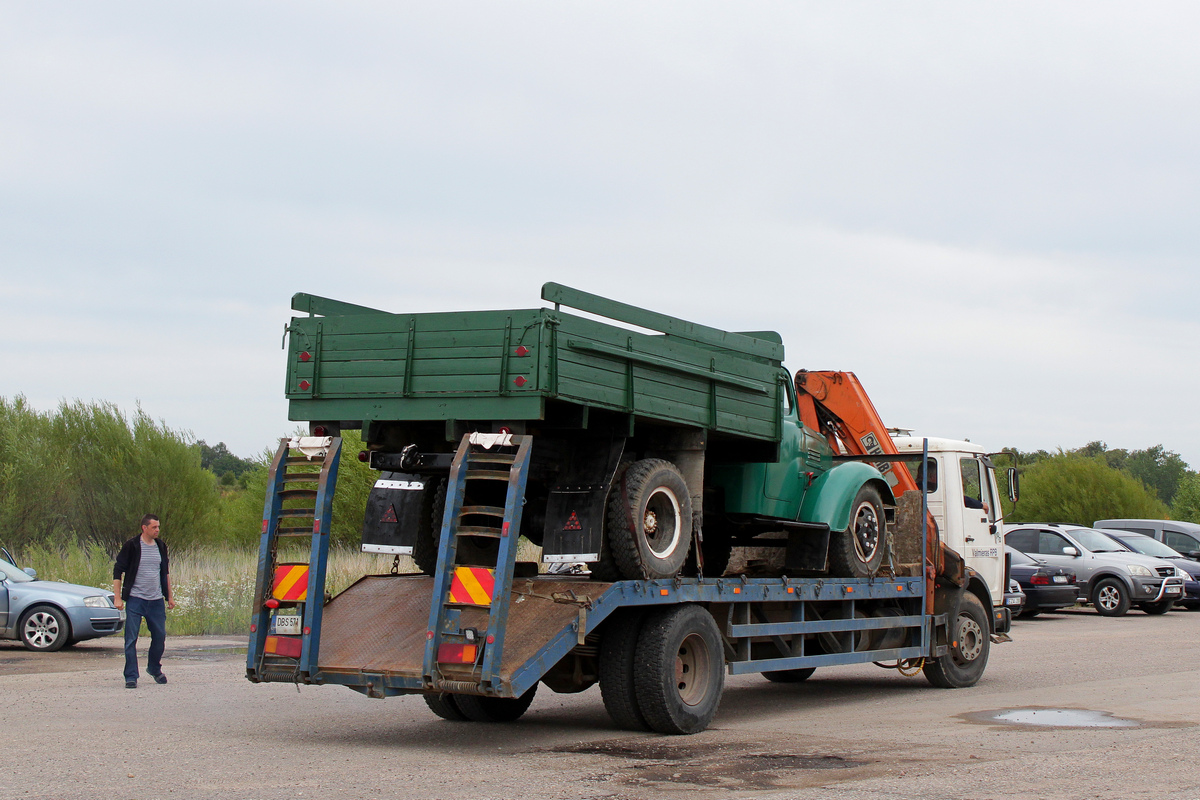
point(1149, 547)
point(15, 575)
point(1019, 558)
point(1097, 542)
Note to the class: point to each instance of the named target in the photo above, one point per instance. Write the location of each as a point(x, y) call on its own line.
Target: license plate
point(1173, 590)
point(286, 623)
point(1060, 578)
point(1013, 601)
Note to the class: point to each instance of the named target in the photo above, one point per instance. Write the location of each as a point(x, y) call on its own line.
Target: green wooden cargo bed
point(355, 365)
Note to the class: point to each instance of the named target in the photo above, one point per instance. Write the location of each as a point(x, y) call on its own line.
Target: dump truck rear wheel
point(681, 669)
point(857, 552)
point(495, 709)
point(425, 551)
point(969, 647)
point(445, 707)
point(789, 675)
point(618, 669)
point(649, 520)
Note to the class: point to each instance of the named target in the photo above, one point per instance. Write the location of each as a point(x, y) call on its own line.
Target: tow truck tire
point(969, 647)
point(1161, 607)
point(445, 706)
point(789, 675)
point(857, 552)
point(495, 709)
point(681, 669)
point(618, 668)
point(1111, 598)
point(649, 520)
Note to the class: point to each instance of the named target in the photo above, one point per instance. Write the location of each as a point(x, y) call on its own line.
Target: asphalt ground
point(72, 730)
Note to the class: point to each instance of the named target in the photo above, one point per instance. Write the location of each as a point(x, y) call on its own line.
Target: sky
point(988, 212)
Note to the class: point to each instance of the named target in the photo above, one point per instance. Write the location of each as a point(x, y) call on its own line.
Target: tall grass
point(214, 587)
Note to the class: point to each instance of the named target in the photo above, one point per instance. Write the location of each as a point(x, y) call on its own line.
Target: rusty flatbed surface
point(378, 625)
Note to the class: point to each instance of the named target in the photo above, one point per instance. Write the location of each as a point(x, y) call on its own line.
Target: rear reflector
point(287, 646)
point(457, 653)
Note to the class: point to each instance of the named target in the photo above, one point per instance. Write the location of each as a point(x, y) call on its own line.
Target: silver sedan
point(46, 615)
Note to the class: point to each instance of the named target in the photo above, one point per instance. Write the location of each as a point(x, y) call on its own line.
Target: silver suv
point(1111, 576)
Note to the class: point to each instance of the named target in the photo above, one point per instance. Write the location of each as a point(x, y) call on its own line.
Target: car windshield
point(13, 574)
point(1020, 558)
point(1097, 542)
point(1149, 547)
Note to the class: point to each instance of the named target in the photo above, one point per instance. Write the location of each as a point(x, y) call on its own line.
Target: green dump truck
point(633, 451)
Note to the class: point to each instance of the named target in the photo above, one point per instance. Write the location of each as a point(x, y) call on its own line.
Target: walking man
point(146, 595)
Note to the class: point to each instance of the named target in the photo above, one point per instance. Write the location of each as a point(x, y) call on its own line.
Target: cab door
point(982, 543)
point(782, 481)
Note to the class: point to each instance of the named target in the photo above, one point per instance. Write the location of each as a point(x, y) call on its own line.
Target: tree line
point(87, 472)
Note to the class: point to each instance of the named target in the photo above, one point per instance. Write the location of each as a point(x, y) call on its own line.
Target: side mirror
point(1070, 551)
point(31, 572)
point(1194, 555)
point(1014, 485)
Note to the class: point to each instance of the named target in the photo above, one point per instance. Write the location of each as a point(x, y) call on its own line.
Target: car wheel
point(789, 675)
point(681, 664)
point(45, 628)
point(1029, 613)
point(649, 520)
point(1111, 598)
point(964, 664)
point(1161, 607)
point(857, 552)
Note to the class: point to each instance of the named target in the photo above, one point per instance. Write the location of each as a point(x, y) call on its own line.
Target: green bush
point(87, 473)
point(1079, 490)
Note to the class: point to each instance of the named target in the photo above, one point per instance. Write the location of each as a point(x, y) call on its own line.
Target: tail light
point(1040, 579)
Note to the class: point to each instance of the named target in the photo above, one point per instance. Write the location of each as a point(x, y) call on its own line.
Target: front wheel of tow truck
point(649, 520)
point(445, 706)
point(682, 669)
point(969, 647)
point(494, 709)
point(857, 552)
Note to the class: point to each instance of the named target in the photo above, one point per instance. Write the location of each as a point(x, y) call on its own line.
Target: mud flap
point(575, 508)
point(393, 516)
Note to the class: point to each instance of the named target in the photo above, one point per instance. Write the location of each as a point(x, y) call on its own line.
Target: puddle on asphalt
point(1054, 718)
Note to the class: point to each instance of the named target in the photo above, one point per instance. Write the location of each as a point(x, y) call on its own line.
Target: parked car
point(1014, 598)
point(1183, 537)
point(1046, 588)
point(1110, 576)
point(1141, 543)
point(46, 615)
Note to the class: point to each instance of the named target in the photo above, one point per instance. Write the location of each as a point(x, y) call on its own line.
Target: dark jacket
point(127, 565)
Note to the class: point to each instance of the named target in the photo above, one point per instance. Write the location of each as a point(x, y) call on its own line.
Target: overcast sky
point(986, 211)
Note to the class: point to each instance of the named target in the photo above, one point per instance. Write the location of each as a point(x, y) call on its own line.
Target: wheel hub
point(866, 531)
point(970, 639)
point(692, 670)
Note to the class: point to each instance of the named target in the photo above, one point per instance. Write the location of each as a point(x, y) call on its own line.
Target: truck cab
point(965, 502)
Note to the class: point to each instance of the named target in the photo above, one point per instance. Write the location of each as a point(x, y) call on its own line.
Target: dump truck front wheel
point(857, 552)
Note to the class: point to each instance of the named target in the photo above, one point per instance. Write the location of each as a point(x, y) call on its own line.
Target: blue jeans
point(155, 614)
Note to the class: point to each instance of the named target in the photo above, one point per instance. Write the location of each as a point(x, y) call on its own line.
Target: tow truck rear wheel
point(619, 668)
point(681, 667)
point(445, 706)
point(495, 709)
point(789, 675)
point(969, 647)
point(649, 520)
point(857, 552)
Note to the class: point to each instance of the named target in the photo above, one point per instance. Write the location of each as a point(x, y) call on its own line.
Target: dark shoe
point(130, 684)
point(160, 678)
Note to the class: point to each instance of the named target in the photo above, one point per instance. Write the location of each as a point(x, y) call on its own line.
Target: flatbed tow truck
point(647, 457)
